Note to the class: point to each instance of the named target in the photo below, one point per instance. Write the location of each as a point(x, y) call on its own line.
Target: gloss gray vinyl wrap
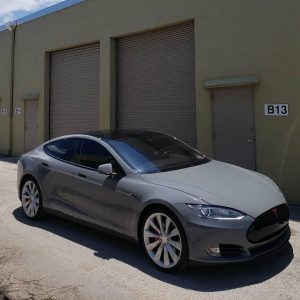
point(222, 184)
point(213, 183)
point(202, 232)
point(197, 230)
point(147, 194)
point(28, 165)
point(32, 165)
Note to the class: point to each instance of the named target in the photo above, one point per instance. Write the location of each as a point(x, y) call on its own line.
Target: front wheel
point(164, 240)
point(31, 199)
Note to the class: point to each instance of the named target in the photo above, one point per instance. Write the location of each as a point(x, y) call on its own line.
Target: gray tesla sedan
point(178, 204)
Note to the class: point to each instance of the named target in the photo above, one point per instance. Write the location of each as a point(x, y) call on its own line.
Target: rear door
point(57, 174)
point(98, 198)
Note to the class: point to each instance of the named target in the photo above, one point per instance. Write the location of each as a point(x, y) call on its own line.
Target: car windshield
point(152, 152)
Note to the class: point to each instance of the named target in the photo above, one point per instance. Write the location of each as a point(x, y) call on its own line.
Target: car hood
point(222, 184)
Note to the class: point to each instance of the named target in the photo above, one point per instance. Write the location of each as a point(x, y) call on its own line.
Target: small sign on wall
point(277, 110)
point(18, 111)
point(3, 112)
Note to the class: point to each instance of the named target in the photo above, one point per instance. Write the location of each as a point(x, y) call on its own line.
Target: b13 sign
point(276, 109)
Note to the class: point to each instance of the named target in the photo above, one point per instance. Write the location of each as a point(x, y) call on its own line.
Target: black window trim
point(60, 139)
point(95, 170)
point(78, 147)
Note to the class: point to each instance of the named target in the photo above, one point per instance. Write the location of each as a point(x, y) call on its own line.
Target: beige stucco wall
point(5, 67)
point(233, 37)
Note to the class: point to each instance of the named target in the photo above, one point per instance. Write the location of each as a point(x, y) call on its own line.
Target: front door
point(233, 122)
point(98, 198)
point(31, 124)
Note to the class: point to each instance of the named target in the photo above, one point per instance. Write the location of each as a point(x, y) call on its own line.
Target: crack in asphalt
point(13, 288)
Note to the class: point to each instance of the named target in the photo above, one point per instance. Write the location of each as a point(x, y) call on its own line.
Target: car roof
point(118, 134)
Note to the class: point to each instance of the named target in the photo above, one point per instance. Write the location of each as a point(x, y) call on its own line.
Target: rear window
point(64, 149)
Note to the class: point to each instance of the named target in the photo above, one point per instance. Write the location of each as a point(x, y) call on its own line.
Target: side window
point(93, 155)
point(64, 149)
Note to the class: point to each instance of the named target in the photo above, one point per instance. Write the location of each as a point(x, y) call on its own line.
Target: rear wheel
point(31, 199)
point(164, 240)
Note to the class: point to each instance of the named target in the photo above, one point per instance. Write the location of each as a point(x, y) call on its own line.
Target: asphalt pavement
point(57, 259)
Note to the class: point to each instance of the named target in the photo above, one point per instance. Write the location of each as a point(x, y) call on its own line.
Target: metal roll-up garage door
point(74, 90)
point(156, 81)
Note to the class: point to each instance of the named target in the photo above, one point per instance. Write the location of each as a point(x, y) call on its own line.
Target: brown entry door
point(31, 124)
point(234, 140)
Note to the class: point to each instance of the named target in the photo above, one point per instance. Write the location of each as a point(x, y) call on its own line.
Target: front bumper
point(230, 237)
point(242, 253)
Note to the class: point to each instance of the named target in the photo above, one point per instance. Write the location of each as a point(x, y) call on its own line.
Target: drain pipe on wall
point(11, 26)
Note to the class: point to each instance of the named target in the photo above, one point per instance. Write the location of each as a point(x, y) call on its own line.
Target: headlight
point(216, 213)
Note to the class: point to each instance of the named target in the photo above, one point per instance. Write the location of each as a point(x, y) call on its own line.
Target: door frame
point(251, 86)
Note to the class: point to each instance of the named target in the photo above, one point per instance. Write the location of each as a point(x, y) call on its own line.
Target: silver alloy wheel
point(162, 240)
point(30, 199)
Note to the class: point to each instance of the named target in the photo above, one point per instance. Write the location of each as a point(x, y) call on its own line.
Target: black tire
point(184, 255)
point(37, 211)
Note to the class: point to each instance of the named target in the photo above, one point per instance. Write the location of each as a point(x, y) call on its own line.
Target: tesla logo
point(275, 211)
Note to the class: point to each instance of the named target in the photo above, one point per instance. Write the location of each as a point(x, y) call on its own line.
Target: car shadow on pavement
point(9, 159)
point(294, 213)
point(197, 278)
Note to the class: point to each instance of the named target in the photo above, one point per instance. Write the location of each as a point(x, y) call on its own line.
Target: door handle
point(45, 165)
point(250, 141)
point(81, 175)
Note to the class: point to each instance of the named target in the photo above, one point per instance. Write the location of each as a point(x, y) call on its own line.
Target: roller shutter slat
point(74, 90)
point(156, 81)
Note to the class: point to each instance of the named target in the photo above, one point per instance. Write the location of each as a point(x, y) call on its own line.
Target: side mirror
point(106, 169)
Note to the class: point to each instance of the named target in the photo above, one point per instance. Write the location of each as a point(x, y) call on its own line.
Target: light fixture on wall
point(11, 26)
